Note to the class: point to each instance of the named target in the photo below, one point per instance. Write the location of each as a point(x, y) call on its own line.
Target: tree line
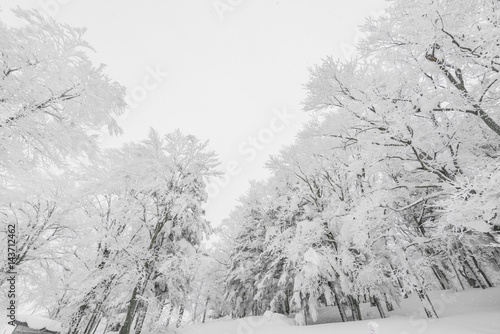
point(392, 187)
point(108, 234)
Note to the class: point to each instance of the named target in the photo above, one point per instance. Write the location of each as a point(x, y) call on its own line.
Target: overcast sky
point(230, 71)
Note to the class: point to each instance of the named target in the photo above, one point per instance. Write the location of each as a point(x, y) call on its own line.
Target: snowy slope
point(468, 312)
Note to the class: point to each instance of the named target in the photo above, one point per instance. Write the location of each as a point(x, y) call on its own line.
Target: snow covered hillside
point(474, 311)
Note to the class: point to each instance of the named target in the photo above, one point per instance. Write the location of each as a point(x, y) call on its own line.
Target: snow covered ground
point(472, 311)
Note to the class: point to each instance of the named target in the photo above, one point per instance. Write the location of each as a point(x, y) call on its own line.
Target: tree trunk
point(478, 280)
point(181, 313)
point(418, 286)
point(287, 302)
point(130, 312)
point(305, 308)
point(153, 321)
point(426, 302)
point(388, 304)
point(169, 315)
point(141, 316)
point(481, 271)
point(97, 314)
point(456, 273)
point(341, 308)
point(399, 282)
point(379, 307)
point(472, 282)
point(196, 302)
point(76, 319)
point(97, 324)
point(354, 304)
point(90, 325)
point(424, 298)
point(205, 310)
point(340, 305)
point(441, 277)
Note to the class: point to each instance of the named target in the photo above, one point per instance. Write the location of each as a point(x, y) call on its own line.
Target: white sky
point(229, 71)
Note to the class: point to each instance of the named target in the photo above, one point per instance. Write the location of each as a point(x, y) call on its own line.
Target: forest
point(391, 190)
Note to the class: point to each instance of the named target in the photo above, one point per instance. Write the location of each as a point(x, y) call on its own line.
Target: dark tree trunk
point(97, 323)
point(478, 280)
point(340, 305)
point(170, 314)
point(456, 273)
point(305, 308)
point(306, 314)
point(130, 312)
point(379, 307)
point(96, 316)
point(389, 305)
point(287, 302)
point(161, 304)
point(418, 287)
point(179, 319)
point(91, 323)
point(76, 319)
point(426, 302)
point(205, 310)
point(481, 272)
point(354, 304)
point(440, 277)
point(141, 316)
point(399, 282)
point(341, 308)
point(472, 282)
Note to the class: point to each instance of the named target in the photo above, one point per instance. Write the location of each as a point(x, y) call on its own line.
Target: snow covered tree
point(419, 106)
point(393, 183)
point(53, 104)
point(245, 264)
point(53, 100)
point(147, 201)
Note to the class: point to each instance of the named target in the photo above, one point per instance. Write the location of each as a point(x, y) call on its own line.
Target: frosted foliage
point(391, 189)
point(53, 100)
point(390, 192)
point(54, 103)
